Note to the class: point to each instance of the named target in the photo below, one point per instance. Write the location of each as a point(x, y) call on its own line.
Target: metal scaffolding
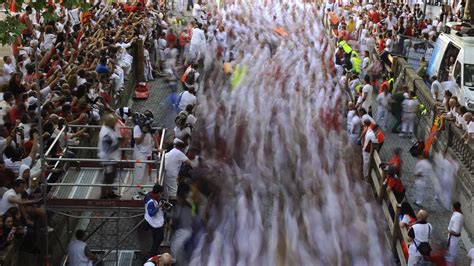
point(74, 190)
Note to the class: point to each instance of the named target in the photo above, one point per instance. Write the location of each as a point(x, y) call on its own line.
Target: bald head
point(422, 215)
point(110, 120)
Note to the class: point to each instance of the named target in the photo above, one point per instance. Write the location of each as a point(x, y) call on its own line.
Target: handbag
point(424, 247)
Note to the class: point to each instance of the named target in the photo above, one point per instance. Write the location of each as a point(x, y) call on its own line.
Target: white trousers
point(382, 117)
point(179, 239)
point(420, 186)
point(141, 170)
point(452, 248)
point(413, 259)
point(365, 165)
point(408, 122)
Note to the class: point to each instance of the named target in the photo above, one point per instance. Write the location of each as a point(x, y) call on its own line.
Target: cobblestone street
point(438, 216)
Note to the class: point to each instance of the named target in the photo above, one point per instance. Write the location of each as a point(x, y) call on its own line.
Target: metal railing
point(158, 162)
point(413, 49)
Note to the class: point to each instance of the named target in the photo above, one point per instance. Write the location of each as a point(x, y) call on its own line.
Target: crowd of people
point(385, 29)
point(378, 105)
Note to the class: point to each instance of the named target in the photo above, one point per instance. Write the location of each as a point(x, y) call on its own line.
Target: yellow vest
point(356, 62)
point(346, 47)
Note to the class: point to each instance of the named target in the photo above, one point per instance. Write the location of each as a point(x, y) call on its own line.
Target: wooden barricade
point(390, 207)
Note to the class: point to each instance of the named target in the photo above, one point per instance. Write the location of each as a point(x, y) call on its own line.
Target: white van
point(453, 61)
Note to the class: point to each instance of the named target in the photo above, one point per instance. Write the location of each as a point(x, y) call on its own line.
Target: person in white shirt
point(108, 149)
point(173, 161)
point(8, 66)
point(365, 64)
point(409, 110)
point(197, 46)
point(423, 172)
point(78, 252)
point(454, 233)
point(354, 129)
point(142, 150)
point(17, 159)
point(154, 216)
point(187, 98)
point(365, 101)
point(12, 198)
point(436, 89)
point(5, 105)
point(383, 100)
point(391, 21)
point(369, 139)
point(446, 169)
point(418, 233)
point(469, 135)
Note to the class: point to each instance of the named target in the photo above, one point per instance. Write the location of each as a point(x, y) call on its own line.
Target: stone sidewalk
point(438, 216)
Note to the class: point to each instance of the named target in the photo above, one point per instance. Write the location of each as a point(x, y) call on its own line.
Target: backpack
point(417, 148)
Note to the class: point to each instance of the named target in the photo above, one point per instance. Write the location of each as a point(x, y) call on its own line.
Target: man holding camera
point(154, 216)
point(143, 148)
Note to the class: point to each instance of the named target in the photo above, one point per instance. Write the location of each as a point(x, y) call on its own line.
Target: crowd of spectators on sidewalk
point(377, 105)
point(372, 31)
point(69, 71)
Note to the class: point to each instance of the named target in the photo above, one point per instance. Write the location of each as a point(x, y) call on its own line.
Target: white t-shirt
point(173, 161)
point(3, 111)
point(146, 147)
point(456, 222)
point(367, 90)
point(437, 88)
point(186, 99)
point(355, 125)
point(383, 100)
point(182, 133)
point(470, 128)
point(369, 138)
point(5, 203)
point(15, 166)
point(74, 16)
point(8, 69)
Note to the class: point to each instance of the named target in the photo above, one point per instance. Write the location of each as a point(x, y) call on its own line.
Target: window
point(457, 73)
point(469, 75)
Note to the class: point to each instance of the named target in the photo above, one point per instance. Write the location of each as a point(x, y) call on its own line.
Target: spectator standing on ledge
point(142, 150)
point(454, 228)
point(108, 149)
point(78, 252)
point(173, 161)
point(418, 233)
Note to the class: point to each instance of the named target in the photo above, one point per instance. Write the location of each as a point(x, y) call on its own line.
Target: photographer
point(143, 146)
point(154, 216)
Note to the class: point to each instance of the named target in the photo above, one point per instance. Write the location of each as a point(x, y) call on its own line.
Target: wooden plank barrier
point(390, 207)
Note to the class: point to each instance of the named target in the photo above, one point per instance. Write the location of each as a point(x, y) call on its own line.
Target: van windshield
point(469, 75)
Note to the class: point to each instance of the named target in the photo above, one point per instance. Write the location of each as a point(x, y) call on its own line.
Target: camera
point(144, 121)
point(19, 129)
point(165, 205)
